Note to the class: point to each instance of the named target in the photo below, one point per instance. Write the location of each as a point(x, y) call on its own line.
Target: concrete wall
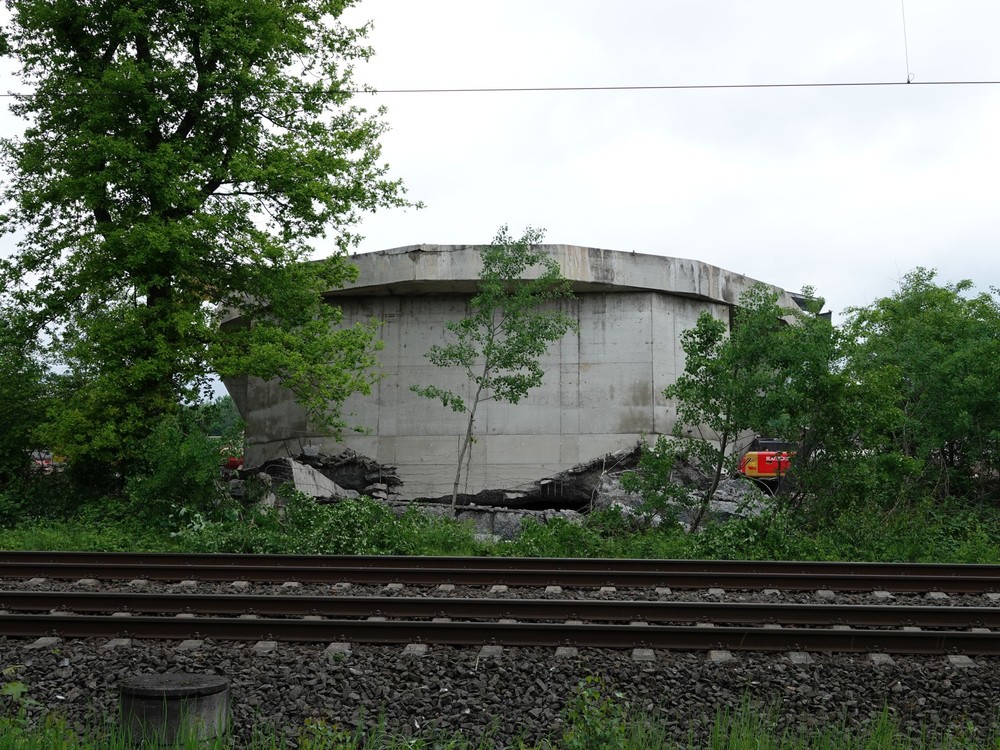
point(602, 389)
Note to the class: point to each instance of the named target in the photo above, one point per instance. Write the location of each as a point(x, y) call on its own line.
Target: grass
point(918, 533)
point(597, 723)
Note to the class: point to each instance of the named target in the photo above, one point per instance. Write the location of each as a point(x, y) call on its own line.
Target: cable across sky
point(672, 87)
point(652, 87)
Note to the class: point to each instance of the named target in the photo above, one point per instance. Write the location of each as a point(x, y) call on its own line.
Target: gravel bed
point(457, 689)
point(512, 592)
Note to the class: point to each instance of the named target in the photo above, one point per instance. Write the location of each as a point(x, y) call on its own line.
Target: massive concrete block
point(603, 387)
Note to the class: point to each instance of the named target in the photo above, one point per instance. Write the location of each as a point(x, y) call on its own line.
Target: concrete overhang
point(454, 269)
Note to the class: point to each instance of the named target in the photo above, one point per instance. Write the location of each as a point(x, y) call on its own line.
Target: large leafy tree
point(179, 158)
point(23, 396)
point(818, 401)
point(785, 373)
point(513, 319)
point(938, 347)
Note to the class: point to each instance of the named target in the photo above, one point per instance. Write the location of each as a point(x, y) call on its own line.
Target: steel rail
point(519, 609)
point(490, 576)
point(520, 634)
point(503, 563)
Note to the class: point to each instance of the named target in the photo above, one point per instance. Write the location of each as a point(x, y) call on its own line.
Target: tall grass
point(600, 724)
point(930, 533)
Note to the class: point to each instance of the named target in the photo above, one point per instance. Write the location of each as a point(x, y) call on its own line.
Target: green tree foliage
point(896, 406)
point(513, 319)
point(728, 385)
point(23, 396)
point(785, 373)
point(180, 156)
point(816, 400)
point(938, 346)
point(219, 417)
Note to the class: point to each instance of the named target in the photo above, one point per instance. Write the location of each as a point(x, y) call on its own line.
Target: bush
point(772, 535)
point(179, 467)
point(438, 535)
point(36, 497)
point(349, 527)
point(557, 538)
point(920, 532)
point(651, 478)
point(603, 533)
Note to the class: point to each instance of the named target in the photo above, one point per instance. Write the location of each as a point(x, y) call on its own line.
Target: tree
point(511, 323)
point(23, 397)
point(727, 384)
point(819, 403)
point(938, 348)
point(179, 154)
point(219, 417)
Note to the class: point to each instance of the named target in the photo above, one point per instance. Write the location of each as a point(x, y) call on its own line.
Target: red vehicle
point(766, 458)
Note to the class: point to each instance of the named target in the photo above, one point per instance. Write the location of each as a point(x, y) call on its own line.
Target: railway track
point(381, 562)
point(458, 620)
point(472, 571)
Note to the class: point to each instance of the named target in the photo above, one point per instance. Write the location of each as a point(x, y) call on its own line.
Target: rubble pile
point(355, 471)
point(498, 513)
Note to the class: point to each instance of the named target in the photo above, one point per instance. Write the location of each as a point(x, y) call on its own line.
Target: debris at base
point(355, 471)
point(581, 483)
point(304, 479)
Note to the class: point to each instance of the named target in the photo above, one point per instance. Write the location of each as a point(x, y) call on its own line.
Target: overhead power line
point(663, 87)
point(680, 87)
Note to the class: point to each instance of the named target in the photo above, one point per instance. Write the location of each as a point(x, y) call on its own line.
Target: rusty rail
point(519, 634)
point(841, 581)
point(500, 563)
point(520, 609)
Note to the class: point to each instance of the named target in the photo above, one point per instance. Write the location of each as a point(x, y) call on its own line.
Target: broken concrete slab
point(305, 479)
point(353, 471)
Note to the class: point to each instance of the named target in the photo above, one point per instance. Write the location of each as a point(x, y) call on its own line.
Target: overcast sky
point(843, 188)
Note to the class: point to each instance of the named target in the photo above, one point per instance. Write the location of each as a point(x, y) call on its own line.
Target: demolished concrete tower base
point(602, 390)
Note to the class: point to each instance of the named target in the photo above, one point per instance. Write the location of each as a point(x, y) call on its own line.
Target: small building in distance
point(602, 390)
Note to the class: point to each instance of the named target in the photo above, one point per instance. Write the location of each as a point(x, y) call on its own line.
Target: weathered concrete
point(168, 708)
point(602, 390)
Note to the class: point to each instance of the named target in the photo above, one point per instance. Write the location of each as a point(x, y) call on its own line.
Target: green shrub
point(595, 719)
point(179, 467)
point(920, 532)
point(439, 535)
point(37, 496)
point(556, 538)
point(651, 477)
point(775, 534)
point(603, 533)
point(302, 526)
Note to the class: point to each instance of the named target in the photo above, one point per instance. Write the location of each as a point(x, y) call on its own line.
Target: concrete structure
point(602, 390)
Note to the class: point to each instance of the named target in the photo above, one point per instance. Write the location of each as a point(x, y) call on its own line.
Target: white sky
point(843, 188)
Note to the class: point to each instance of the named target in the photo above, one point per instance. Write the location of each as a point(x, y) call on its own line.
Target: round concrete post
point(168, 709)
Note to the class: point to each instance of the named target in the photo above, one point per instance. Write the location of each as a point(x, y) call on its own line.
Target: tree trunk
point(461, 457)
point(466, 443)
point(710, 492)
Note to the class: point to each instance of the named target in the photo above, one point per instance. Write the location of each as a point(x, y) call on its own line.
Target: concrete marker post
point(173, 708)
